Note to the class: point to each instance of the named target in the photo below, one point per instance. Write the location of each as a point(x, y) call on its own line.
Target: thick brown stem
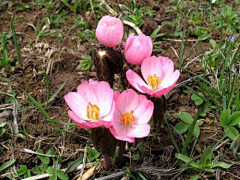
point(160, 107)
point(107, 162)
point(121, 149)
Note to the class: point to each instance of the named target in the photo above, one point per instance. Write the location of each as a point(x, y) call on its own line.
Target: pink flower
point(132, 114)
point(93, 104)
point(109, 31)
point(159, 76)
point(137, 48)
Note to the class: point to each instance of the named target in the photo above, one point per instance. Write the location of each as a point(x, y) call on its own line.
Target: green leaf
point(22, 170)
point(186, 159)
point(231, 132)
point(2, 131)
point(16, 43)
point(221, 164)
point(213, 43)
point(92, 154)
point(195, 177)
point(225, 118)
point(2, 124)
point(61, 175)
point(196, 131)
point(181, 128)
point(208, 170)
point(39, 169)
point(27, 174)
point(50, 170)
point(206, 158)
point(197, 100)
point(53, 177)
point(135, 157)
point(185, 117)
point(45, 160)
point(85, 64)
point(7, 164)
point(74, 164)
point(235, 118)
point(10, 99)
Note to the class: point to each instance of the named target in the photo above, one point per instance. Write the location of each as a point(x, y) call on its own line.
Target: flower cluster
point(95, 104)
point(125, 114)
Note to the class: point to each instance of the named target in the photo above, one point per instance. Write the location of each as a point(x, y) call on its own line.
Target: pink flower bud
point(137, 48)
point(109, 31)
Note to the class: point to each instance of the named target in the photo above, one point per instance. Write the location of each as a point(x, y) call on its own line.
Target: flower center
point(153, 81)
point(93, 112)
point(128, 118)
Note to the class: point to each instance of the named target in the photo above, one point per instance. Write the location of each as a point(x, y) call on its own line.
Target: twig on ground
point(220, 145)
point(132, 25)
point(46, 175)
point(92, 74)
point(3, 116)
point(231, 174)
point(124, 21)
point(109, 8)
point(232, 162)
point(175, 52)
point(91, 171)
point(84, 161)
point(6, 106)
point(115, 175)
point(163, 19)
point(33, 152)
point(196, 58)
point(190, 80)
point(91, 3)
point(15, 124)
point(179, 40)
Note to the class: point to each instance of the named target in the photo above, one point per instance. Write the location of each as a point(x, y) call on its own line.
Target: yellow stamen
point(93, 112)
point(153, 81)
point(128, 118)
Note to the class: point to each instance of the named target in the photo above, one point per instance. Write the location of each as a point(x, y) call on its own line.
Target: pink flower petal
point(150, 66)
point(109, 31)
point(132, 99)
point(135, 80)
point(144, 111)
point(83, 124)
point(138, 131)
point(137, 48)
point(121, 138)
point(167, 67)
point(98, 93)
point(134, 57)
point(105, 97)
point(128, 42)
point(86, 90)
point(77, 104)
point(147, 90)
point(163, 91)
point(172, 79)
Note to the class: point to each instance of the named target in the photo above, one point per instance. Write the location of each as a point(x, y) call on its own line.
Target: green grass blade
point(58, 90)
point(5, 55)
point(74, 164)
point(190, 132)
point(38, 105)
point(16, 43)
point(172, 137)
point(7, 164)
point(238, 96)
